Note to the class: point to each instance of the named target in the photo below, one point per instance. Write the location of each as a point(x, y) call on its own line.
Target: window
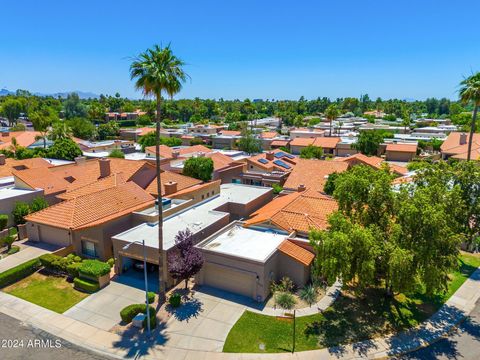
point(89, 248)
point(208, 194)
point(203, 196)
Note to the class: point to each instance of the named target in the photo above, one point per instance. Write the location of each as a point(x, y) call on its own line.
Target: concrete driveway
point(29, 250)
point(102, 309)
point(203, 322)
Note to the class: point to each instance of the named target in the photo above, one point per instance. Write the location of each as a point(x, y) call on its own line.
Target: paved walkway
point(163, 345)
point(30, 250)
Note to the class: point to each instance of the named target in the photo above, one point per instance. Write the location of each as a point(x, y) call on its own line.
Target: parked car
point(138, 265)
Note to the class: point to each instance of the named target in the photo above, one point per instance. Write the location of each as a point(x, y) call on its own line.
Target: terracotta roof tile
point(220, 161)
point(300, 211)
point(280, 143)
point(167, 152)
point(269, 165)
point(194, 188)
point(268, 134)
point(95, 208)
point(230, 133)
point(302, 142)
point(182, 181)
point(98, 185)
point(296, 252)
point(408, 148)
point(373, 161)
point(24, 138)
point(313, 174)
point(13, 165)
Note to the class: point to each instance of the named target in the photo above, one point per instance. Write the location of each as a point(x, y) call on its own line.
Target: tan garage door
point(229, 279)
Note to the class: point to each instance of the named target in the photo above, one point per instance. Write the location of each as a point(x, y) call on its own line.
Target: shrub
point(19, 272)
point(111, 262)
point(285, 300)
point(277, 189)
point(115, 153)
point(77, 259)
point(48, 260)
point(72, 269)
point(7, 241)
point(175, 300)
point(309, 294)
point(39, 203)
point(14, 249)
point(286, 285)
point(19, 212)
point(86, 285)
point(3, 221)
point(94, 268)
point(151, 297)
point(128, 313)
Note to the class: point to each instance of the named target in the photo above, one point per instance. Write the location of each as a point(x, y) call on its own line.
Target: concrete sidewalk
point(29, 251)
point(134, 345)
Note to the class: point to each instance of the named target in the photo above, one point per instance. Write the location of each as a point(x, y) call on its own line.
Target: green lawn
point(351, 318)
point(50, 292)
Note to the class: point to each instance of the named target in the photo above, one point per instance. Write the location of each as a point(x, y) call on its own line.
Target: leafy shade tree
point(158, 71)
point(329, 186)
point(199, 168)
point(64, 149)
point(96, 111)
point(249, 143)
point(311, 152)
point(470, 93)
point(331, 113)
point(187, 260)
point(116, 153)
point(82, 128)
point(37, 204)
point(378, 236)
point(20, 210)
point(11, 109)
point(42, 119)
point(108, 130)
point(368, 142)
point(150, 139)
point(74, 107)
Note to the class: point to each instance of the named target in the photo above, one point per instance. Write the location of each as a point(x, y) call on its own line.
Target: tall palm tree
point(470, 92)
point(331, 113)
point(158, 71)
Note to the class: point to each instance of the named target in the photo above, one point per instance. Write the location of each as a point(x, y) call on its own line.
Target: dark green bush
point(128, 313)
point(94, 268)
point(86, 285)
point(72, 269)
point(175, 300)
point(19, 272)
point(111, 262)
point(151, 297)
point(47, 260)
point(127, 123)
point(3, 221)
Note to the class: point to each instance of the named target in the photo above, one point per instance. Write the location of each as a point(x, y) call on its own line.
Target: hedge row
point(19, 272)
point(86, 285)
point(94, 268)
point(128, 313)
point(59, 263)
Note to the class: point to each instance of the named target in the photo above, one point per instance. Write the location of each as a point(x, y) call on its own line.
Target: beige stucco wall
point(48, 234)
point(399, 156)
point(8, 204)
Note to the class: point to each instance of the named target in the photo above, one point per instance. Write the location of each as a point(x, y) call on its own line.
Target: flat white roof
point(195, 218)
point(249, 243)
point(9, 192)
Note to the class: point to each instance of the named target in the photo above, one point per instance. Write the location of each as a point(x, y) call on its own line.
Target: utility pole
point(293, 348)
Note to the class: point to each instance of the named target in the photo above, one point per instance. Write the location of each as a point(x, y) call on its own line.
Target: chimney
point(301, 188)
point(2, 159)
point(79, 160)
point(463, 138)
point(175, 154)
point(104, 167)
point(170, 188)
point(270, 156)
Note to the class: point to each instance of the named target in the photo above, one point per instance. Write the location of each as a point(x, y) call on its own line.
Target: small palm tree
point(470, 92)
point(331, 113)
point(158, 71)
point(59, 130)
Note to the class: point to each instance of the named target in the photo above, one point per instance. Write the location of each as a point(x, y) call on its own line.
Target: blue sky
point(238, 49)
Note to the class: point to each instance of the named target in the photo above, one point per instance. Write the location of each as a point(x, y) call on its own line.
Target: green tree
point(470, 93)
point(11, 109)
point(82, 128)
point(158, 71)
point(64, 149)
point(96, 111)
point(329, 186)
point(199, 168)
point(116, 153)
point(37, 204)
point(108, 130)
point(20, 210)
point(368, 142)
point(60, 130)
point(42, 119)
point(249, 143)
point(311, 152)
point(74, 107)
point(331, 113)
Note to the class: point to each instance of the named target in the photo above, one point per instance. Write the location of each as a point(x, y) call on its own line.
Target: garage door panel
point(232, 280)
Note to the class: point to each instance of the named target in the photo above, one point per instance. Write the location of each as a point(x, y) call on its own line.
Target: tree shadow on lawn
point(354, 319)
point(138, 344)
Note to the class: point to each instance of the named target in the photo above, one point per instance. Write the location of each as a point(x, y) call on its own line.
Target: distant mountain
point(5, 92)
point(81, 94)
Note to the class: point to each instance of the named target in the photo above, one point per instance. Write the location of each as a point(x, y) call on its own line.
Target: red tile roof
point(24, 138)
point(12, 165)
point(269, 165)
point(373, 161)
point(453, 146)
point(296, 252)
point(408, 148)
point(182, 181)
point(323, 142)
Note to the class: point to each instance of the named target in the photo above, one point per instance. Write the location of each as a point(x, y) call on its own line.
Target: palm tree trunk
point(472, 131)
point(331, 127)
point(162, 268)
